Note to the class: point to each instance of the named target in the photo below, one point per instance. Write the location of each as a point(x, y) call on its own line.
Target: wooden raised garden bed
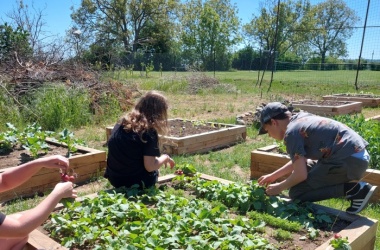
point(375, 118)
point(361, 231)
point(189, 137)
point(328, 107)
point(366, 100)
point(86, 163)
point(265, 160)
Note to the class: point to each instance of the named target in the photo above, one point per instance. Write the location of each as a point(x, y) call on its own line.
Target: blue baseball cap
point(271, 110)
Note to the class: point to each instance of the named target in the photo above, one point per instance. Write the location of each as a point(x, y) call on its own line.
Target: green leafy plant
point(155, 219)
point(67, 137)
point(340, 243)
point(8, 139)
point(33, 139)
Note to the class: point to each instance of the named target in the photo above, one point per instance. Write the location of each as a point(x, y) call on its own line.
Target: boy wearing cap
point(326, 157)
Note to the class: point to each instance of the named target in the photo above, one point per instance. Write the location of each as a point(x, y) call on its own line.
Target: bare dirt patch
point(19, 156)
point(182, 128)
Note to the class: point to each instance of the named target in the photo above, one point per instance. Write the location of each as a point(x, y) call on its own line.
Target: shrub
point(58, 107)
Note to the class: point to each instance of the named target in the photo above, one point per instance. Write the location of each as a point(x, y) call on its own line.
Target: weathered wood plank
point(329, 110)
point(228, 134)
point(366, 101)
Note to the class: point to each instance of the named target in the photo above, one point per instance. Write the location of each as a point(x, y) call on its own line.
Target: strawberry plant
point(156, 219)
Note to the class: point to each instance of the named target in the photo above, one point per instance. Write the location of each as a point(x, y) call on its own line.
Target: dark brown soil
point(19, 156)
point(182, 128)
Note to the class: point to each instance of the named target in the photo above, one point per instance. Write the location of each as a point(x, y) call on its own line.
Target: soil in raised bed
point(20, 156)
point(182, 128)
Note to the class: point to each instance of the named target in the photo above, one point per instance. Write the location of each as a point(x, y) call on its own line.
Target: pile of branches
point(25, 77)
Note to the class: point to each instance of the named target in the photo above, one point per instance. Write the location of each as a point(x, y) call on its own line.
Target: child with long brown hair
point(133, 148)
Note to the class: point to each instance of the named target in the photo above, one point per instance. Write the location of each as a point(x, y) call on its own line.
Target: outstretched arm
point(26, 222)
point(18, 175)
point(269, 178)
point(298, 175)
point(152, 163)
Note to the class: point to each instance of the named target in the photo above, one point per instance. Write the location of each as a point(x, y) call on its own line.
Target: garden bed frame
point(343, 108)
point(366, 100)
point(376, 118)
point(227, 135)
point(264, 161)
point(88, 164)
point(361, 232)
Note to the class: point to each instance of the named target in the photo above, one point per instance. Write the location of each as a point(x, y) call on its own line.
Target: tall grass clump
point(56, 107)
point(9, 111)
point(108, 109)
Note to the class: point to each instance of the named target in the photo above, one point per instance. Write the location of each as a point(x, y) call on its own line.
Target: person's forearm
point(298, 175)
point(292, 180)
point(18, 175)
point(284, 170)
point(154, 163)
point(31, 219)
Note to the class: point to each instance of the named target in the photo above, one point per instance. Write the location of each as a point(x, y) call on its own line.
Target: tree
point(46, 48)
point(124, 21)
point(287, 19)
point(332, 23)
point(209, 28)
point(13, 42)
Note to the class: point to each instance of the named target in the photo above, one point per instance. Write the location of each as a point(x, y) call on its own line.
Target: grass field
point(235, 93)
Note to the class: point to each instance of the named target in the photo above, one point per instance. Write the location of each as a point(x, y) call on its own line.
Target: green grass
point(222, 105)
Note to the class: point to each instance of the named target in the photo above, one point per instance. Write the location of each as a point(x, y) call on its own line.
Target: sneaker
point(360, 200)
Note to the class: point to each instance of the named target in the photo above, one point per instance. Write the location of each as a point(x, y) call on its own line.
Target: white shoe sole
point(360, 204)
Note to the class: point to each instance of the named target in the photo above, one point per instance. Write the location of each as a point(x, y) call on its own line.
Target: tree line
point(190, 34)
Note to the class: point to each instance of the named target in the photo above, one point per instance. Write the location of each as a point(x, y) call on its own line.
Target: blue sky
point(57, 17)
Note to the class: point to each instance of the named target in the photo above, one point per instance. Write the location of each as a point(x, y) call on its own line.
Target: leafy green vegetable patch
point(189, 213)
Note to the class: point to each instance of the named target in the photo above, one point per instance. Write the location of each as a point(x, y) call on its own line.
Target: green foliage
point(58, 107)
point(8, 109)
point(114, 220)
point(67, 137)
point(282, 235)
point(340, 243)
point(32, 138)
point(188, 169)
point(13, 41)
point(157, 219)
point(369, 130)
point(8, 139)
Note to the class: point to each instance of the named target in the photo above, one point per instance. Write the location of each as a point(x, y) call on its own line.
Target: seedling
point(67, 137)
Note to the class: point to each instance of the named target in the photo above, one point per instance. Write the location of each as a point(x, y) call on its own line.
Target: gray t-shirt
point(320, 138)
